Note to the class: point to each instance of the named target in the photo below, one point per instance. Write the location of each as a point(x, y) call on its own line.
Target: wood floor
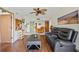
point(20, 46)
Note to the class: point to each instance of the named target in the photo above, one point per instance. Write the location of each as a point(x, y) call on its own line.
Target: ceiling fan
point(38, 11)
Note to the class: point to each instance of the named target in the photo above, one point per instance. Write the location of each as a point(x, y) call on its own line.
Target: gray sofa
point(62, 39)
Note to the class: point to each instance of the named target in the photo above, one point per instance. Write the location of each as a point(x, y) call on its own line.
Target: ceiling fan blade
point(32, 12)
point(43, 13)
point(34, 9)
point(44, 9)
point(36, 14)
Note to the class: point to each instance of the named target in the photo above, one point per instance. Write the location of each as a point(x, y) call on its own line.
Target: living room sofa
point(63, 38)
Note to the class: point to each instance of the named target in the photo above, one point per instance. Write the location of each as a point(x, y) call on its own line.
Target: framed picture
point(71, 18)
point(18, 24)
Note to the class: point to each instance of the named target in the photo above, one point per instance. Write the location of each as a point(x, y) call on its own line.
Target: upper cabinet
point(71, 18)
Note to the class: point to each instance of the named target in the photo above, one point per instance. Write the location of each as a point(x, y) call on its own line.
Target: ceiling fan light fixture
point(38, 11)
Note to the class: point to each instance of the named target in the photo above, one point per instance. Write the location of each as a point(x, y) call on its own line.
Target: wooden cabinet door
point(5, 28)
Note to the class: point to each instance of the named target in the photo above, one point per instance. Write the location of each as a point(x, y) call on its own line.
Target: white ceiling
point(23, 11)
point(52, 12)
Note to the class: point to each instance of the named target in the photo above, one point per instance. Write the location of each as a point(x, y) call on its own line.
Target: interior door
point(5, 28)
point(0, 32)
point(46, 26)
point(0, 35)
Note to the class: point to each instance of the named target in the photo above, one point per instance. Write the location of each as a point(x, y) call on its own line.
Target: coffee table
point(33, 42)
